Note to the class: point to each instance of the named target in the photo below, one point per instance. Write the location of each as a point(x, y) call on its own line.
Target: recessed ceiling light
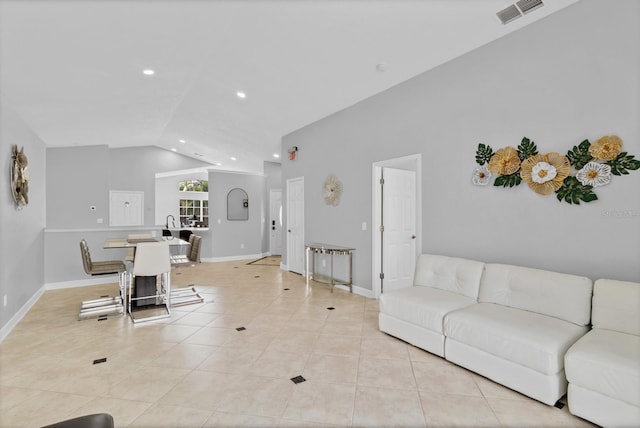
point(148, 72)
point(182, 141)
point(241, 94)
point(173, 149)
point(275, 155)
point(233, 158)
point(217, 164)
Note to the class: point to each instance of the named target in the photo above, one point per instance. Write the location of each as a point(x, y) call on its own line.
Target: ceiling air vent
point(527, 6)
point(509, 13)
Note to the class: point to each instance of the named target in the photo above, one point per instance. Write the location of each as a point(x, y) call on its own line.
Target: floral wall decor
point(572, 177)
point(332, 190)
point(19, 177)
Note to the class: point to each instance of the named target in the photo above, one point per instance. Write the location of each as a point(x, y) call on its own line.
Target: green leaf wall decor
point(572, 178)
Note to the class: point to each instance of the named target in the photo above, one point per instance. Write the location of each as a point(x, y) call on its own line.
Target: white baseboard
point(6, 329)
point(107, 279)
point(356, 290)
point(235, 258)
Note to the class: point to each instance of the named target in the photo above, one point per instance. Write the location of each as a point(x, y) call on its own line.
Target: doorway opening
point(396, 222)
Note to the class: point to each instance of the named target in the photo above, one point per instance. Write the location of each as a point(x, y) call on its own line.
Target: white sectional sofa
point(508, 323)
point(603, 367)
point(442, 284)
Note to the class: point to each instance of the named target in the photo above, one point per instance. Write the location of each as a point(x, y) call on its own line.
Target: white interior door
point(275, 225)
point(295, 225)
point(399, 232)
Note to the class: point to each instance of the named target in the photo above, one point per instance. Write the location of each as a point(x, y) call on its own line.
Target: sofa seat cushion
point(536, 341)
point(422, 306)
point(607, 362)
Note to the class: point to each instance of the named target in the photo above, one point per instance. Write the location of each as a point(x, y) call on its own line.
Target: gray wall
point(236, 238)
point(22, 257)
point(571, 76)
point(78, 177)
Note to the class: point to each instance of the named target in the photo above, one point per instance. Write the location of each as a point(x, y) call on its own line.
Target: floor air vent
point(508, 14)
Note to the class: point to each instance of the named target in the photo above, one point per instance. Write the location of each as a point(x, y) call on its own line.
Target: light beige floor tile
point(201, 390)
point(255, 337)
point(384, 347)
point(385, 373)
point(417, 354)
point(231, 320)
point(146, 384)
point(294, 341)
point(341, 328)
point(258, 396)
point(311, 325)
point(444, 377)
point(491, 389)
point(11, 396)
point(171, 416)
point(142, 352)
point(124, 412)
point(278, 364)
point(307, 311)
point(380, 407)
point(337, 345)
point(292, 423)
point(183, 356)
point(321, 402)
point(238, 420)
point(332, 368)
point(531, 413)
point(42, 408)
point(444, 410)
point(213, 307)
point(46, 362)
point(196, 318)
point(231, 360)
point(211, 336)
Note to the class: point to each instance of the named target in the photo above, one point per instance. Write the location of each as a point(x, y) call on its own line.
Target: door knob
point(289, 230)
point(413, 236)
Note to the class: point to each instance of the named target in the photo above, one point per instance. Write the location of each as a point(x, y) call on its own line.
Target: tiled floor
point(196, 370)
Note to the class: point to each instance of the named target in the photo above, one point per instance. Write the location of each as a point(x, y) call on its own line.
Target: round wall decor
point(332, 190)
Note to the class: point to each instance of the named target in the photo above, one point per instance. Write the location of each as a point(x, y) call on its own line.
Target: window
point(194, 186)
point(194, 212)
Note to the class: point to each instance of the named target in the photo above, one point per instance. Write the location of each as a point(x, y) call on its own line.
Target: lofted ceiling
point(73, 69)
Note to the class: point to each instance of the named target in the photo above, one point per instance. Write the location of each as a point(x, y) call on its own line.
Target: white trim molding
point(9, 326)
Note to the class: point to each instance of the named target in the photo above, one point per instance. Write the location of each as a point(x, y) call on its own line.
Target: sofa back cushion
point(559, 295)
point(616, 306)
point(452, 274)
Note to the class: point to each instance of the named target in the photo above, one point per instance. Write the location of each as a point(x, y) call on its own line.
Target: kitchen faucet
point(173, 222)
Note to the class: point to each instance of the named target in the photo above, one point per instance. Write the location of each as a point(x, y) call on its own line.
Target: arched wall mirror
point(237, 204)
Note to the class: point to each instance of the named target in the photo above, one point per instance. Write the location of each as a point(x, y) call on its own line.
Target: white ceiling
point(73, 69)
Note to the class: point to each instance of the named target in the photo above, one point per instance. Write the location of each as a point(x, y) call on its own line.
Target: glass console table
point(331, 250)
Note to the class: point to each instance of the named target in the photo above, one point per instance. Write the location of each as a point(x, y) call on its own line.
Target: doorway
point(275, 225)
point(397, 213)
point(295, 225)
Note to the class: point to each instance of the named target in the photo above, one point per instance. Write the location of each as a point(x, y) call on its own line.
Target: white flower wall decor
point(332, 190)
point(572, 177)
